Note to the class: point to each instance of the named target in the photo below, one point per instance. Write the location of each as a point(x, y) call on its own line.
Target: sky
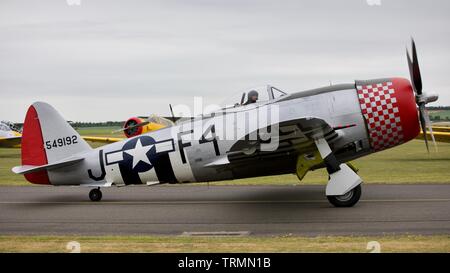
point(109, 60)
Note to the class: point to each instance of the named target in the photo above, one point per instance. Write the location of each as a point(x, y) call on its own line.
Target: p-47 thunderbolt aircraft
point(263, 132)
point(10, 135)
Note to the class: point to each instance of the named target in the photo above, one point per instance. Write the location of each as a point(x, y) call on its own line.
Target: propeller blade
point(132, 126)
point(416, 70)
point(423, 124)
point(421, 99)
point(137, 125)
point(118, 130)
point(430, 128)
point(411, 71)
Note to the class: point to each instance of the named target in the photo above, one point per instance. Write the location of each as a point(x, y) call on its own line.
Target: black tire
point(347, 200)
point(95, 195)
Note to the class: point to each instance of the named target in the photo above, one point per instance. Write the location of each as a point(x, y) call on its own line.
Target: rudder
point(47, 138)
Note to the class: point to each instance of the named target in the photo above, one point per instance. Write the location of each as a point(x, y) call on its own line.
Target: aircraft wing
point(438, 136)
point(295, 136)
point(441, 129)
point(311, 127)
point(102, 139)
point(9, 142)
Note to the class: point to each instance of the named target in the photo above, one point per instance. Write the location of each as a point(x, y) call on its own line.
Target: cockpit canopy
point(257, 95)
point(160, 120)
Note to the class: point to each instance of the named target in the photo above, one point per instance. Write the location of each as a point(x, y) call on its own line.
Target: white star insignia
point(139, 153)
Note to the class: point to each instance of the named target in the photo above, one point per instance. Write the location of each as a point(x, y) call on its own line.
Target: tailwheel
point(95, 195)
point(347, 200)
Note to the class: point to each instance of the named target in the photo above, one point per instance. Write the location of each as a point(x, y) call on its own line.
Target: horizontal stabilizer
point(59, 164)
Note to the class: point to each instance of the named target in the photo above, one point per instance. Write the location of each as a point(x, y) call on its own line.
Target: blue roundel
point(141, 164)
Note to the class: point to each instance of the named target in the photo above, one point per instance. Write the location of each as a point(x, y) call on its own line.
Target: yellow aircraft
point(10, 135)
point(441, 134)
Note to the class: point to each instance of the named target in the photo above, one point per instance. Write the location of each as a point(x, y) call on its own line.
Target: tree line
point(80, 124)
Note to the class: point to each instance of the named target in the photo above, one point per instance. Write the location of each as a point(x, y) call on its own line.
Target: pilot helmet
point(252, 93)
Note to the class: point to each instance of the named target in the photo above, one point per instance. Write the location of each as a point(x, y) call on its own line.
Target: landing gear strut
point(95, 195)
point(344, 185)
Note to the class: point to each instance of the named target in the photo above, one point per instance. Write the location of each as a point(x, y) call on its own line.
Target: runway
point(254, 210)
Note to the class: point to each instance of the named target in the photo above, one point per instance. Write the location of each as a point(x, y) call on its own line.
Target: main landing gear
point(344, 185)
point(95, 195)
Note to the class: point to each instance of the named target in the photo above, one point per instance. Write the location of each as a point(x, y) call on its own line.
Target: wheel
point(347, 200)
point(95, 195)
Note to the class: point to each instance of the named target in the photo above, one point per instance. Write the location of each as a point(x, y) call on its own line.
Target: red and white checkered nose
point(389, 109)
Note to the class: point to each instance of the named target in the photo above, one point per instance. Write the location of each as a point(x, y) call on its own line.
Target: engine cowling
point(132, 127)
point(390, 111)
point(137, 126)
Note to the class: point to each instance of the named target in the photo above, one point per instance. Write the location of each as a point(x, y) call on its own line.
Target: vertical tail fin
point(47, 138)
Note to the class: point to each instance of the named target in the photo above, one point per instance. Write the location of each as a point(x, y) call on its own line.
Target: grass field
point(100, 131)
point(408, 163)
point(278, 244)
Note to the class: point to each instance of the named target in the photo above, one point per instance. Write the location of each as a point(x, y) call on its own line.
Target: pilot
point(252, 97)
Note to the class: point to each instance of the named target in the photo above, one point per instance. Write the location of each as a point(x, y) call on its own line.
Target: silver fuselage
point(188, 152)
